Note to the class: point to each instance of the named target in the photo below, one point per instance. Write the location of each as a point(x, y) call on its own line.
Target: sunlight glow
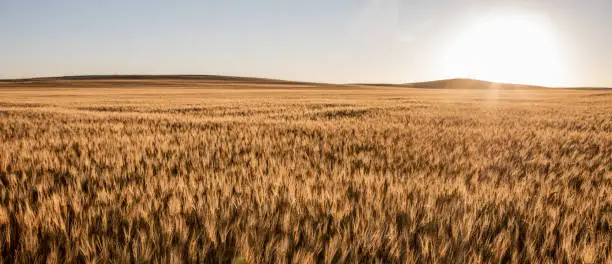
point(506, 48)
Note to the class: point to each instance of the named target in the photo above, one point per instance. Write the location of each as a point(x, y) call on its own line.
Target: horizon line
point(229, 77)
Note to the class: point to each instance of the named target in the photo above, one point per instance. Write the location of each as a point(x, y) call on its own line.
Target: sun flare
point(506, 48)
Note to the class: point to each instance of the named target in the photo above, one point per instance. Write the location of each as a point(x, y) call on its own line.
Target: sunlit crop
point(290, 173)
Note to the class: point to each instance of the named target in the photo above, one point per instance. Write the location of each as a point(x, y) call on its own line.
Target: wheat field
point(222, 171)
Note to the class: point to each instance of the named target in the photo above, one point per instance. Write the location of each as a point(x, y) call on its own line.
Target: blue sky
point(317, 40)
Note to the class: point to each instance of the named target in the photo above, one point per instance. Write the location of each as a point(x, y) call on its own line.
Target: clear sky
point(569, 42)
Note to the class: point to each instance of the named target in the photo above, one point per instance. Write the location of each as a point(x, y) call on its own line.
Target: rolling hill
point(468, 84)
point(191, 80)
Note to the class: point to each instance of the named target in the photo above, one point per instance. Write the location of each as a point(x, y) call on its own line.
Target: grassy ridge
point(210, 174)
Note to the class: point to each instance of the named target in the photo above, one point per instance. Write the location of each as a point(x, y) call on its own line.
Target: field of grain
point(221, 171)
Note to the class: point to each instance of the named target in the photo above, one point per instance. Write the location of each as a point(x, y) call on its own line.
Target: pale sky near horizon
point(566, 42)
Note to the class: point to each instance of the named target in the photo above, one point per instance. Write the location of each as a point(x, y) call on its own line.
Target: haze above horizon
point(539, 42)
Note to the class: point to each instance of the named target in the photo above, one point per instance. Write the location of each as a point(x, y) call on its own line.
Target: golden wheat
point(333, 174)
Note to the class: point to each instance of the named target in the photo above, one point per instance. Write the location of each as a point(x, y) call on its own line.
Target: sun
point(512, 48)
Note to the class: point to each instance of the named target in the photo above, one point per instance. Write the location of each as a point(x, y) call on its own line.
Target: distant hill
point(145, 80)
point(195, 80)
point(457, 84)
point(468, 84)
point(140, 77)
